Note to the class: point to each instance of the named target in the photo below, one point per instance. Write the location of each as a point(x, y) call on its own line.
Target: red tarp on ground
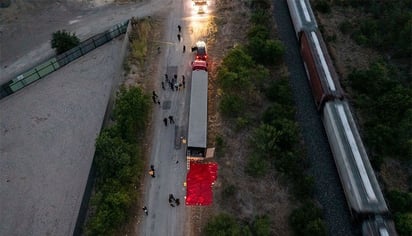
point(199, 182)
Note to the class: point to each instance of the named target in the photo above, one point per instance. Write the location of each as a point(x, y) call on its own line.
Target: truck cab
point(200, 49)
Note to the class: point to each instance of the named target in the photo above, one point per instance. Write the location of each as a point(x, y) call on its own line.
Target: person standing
point(165, 121)
point(145, 210)
point(171, 121)
point(178, 37)
point(184, 48)
point(179, 28)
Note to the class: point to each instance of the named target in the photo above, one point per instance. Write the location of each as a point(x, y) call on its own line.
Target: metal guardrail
point(60, 60)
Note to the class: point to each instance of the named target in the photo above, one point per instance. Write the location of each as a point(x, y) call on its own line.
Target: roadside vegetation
point(246, 84)
point(119, 163)
point(63, 41)
point(382, 94)
point(119, 155)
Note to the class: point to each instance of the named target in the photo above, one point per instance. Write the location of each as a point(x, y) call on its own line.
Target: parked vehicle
point(197, 132)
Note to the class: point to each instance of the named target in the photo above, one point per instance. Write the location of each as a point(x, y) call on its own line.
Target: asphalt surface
point(168, 152)
point(328, 190)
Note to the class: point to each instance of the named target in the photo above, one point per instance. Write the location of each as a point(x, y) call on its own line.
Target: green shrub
point(279, 91)
point(63, 41)
point(323, 6)
point(242, 122)
point(345, 27)
point(222, 225)
point(303, 186)
point(306, 220)
point(400, 201)
point(231, 105)
point(229, 192)
point(131, 112)
point(260, 17)
point(257, 166)
point(261, 226)
point(403, 223)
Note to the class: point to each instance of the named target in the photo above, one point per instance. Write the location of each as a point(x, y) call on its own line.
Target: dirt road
point(168, 152)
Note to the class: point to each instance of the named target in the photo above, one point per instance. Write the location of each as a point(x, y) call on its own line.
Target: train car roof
point(359, 182)
point(197, 132)
point(379, 226)
point(324, 65)
point(302, 15)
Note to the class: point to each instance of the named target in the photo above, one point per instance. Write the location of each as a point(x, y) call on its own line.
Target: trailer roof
point(358, 178)
point(198, 110)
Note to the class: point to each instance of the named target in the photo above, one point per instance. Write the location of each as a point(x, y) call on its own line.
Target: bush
point(385, 106)
point(306, 220)
point(257, 166)
point(118, 163)
point(63, 41)
point(229, 192)
point(261, 226)
point(403, 223)
point(222, 225)
point(323, 6)
point(131, 112)
point(231, 105)
point(400, 201)
point(345, 27)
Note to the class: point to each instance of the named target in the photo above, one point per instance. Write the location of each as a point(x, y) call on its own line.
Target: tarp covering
point(199, 182)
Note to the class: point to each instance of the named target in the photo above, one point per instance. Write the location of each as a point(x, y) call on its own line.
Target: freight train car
point(319, 68)
point(302, 16)
point(362, 190)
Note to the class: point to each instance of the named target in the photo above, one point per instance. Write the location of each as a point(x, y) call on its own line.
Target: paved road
point(167, 154)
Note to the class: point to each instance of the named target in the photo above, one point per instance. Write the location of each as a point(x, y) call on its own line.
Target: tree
point(63, 41)
point(400, 201)
point(403, 222)
point(261, 226)
point(222, 225)
point(306, 220)
point(131, 111)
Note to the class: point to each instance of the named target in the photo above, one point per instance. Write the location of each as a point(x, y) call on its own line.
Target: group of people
point(171, 120)
point(174, 85)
